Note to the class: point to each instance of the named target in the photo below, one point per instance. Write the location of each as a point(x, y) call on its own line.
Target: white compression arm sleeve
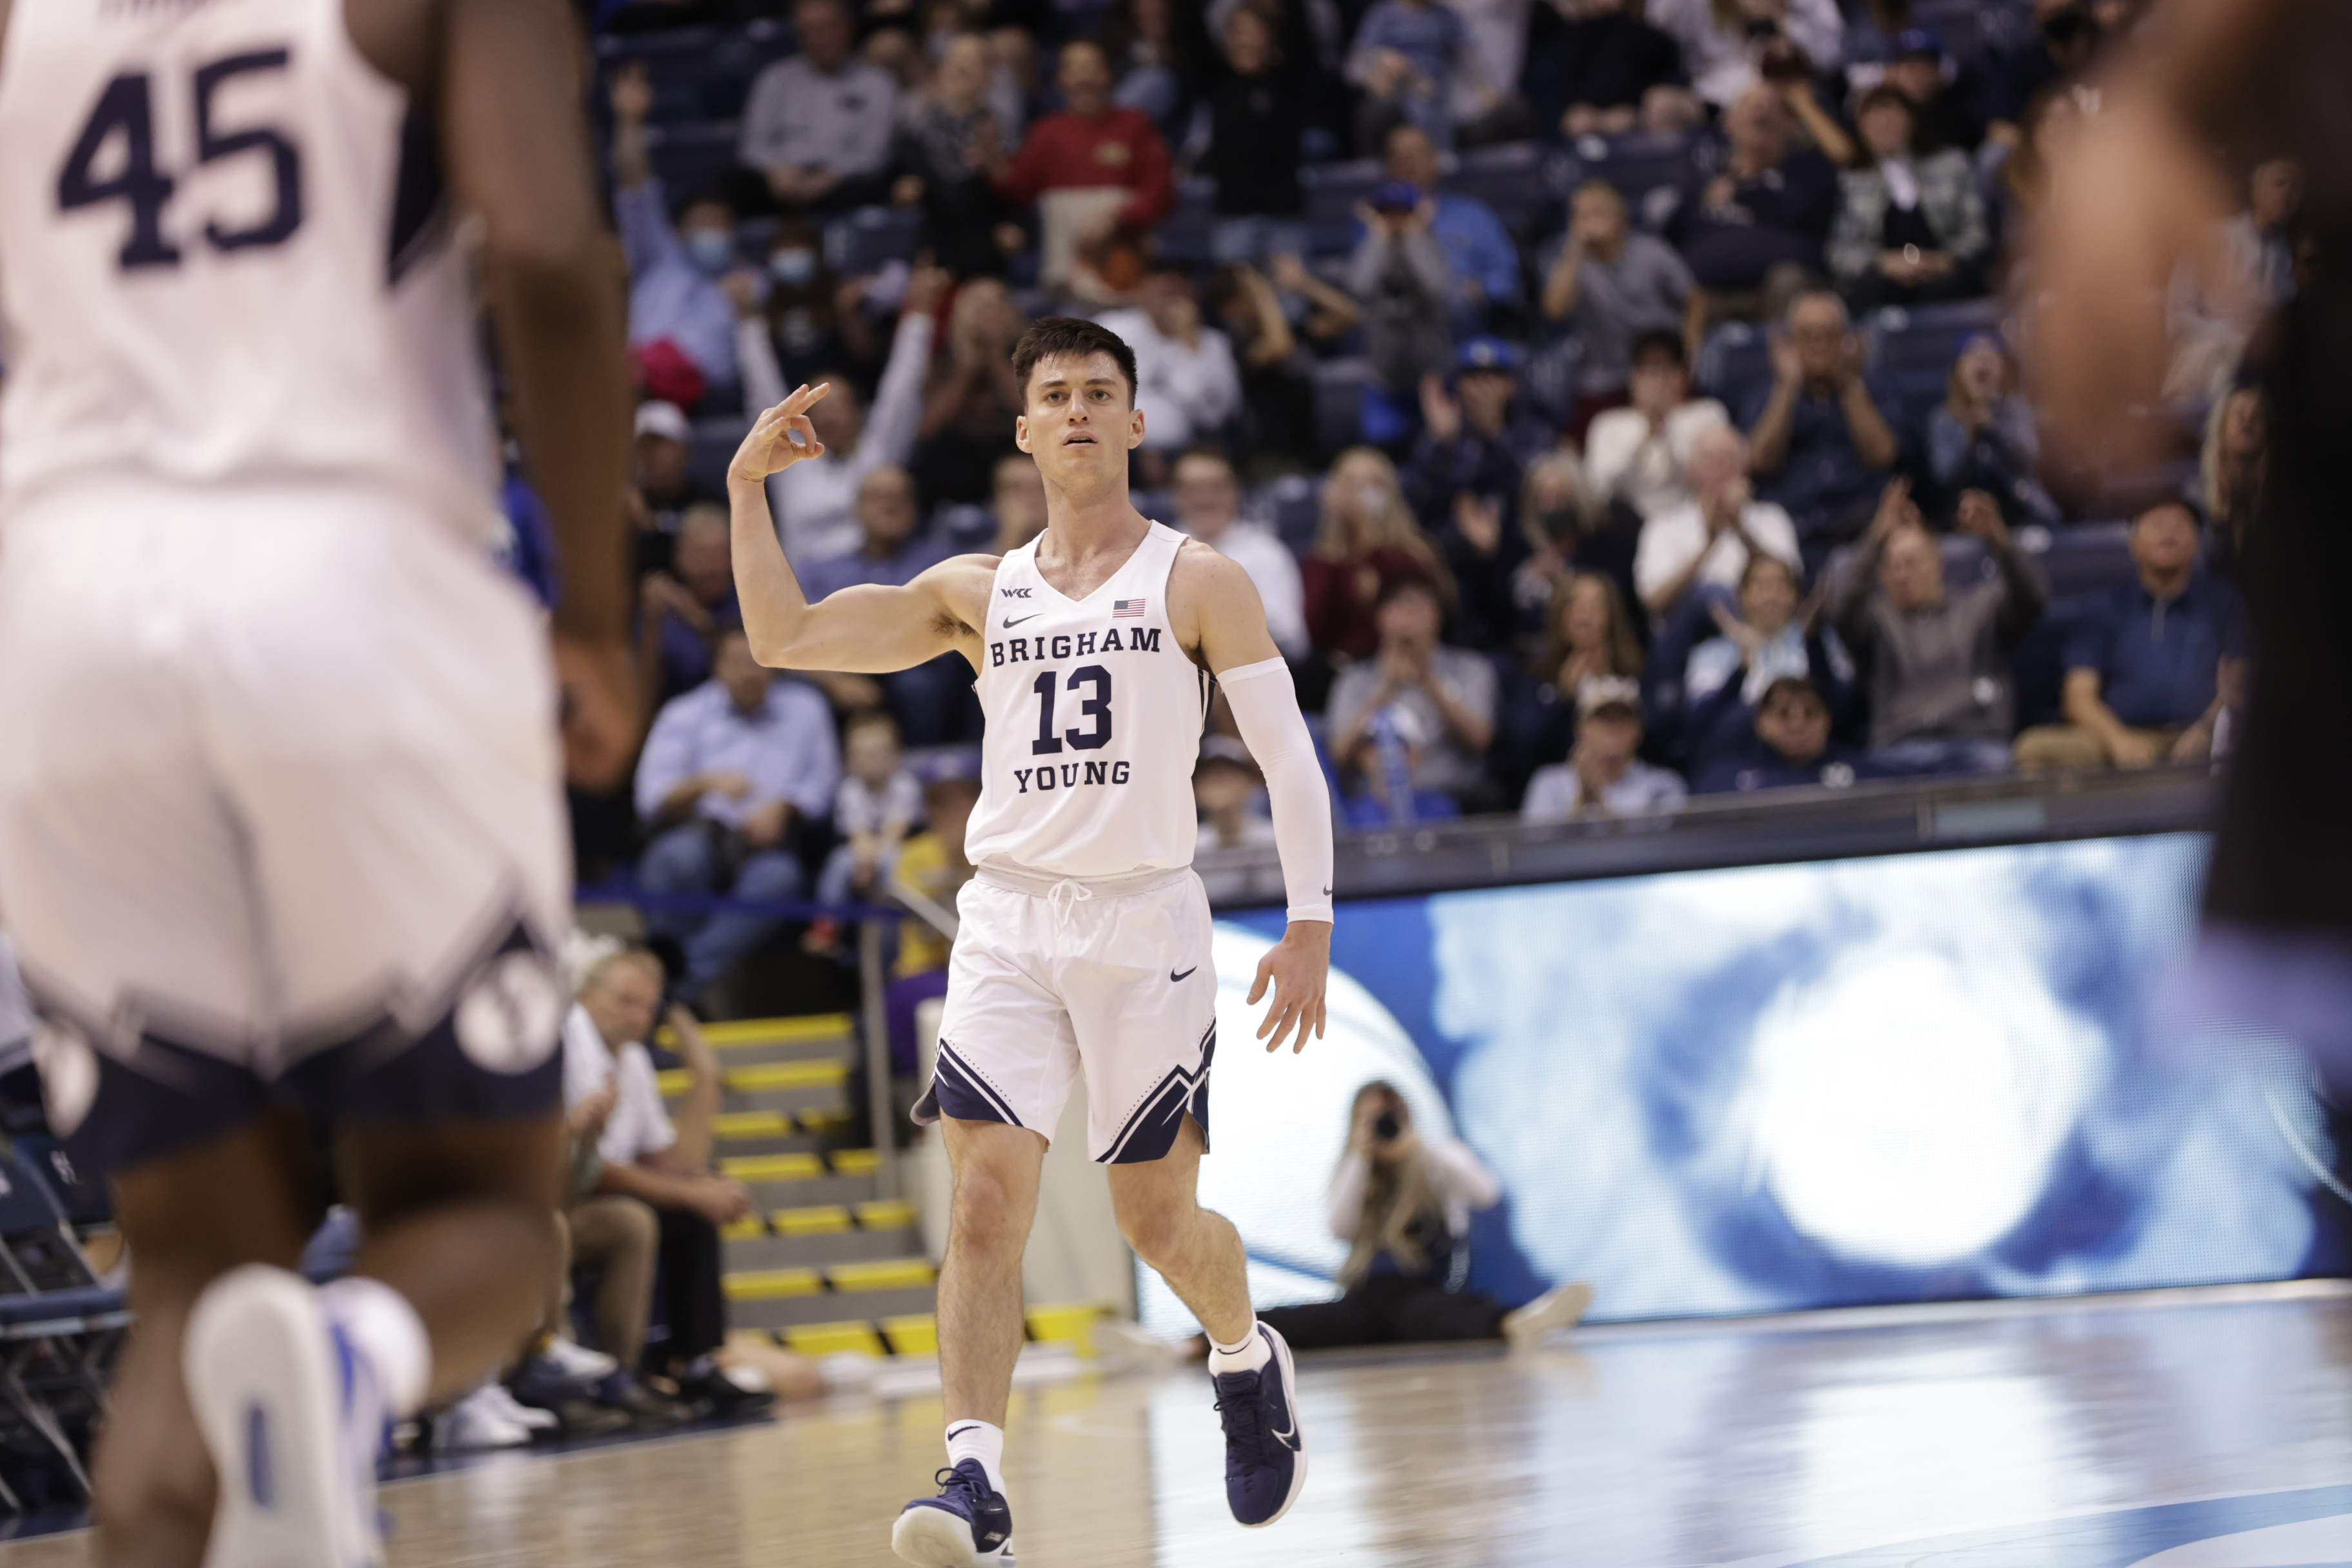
point(1265, 706)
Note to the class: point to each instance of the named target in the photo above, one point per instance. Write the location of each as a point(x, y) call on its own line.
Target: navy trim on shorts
point(494, 1055)
point(1151, 1133)
point(963, 1094)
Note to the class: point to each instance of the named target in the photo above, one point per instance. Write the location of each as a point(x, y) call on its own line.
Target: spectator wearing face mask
point(677, 311)
point(789, 313)
point(1367, 543)
point(814, 500)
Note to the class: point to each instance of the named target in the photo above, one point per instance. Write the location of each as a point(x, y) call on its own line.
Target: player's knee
point(1156, 1229)
point(988, 1215)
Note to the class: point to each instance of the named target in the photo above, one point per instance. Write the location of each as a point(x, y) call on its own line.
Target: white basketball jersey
point(1093, 722)
point(225, 259)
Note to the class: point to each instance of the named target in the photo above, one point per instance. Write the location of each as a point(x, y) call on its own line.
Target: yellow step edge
point(885, 1213)
point(853, 1162)
point(916, 1333)
point(771, 1284)
point(750, 1227)
point(825, 1073)
point(832, 1339)
point(826, 1118)
point(892, 1274)
point(764, 1031)
point(829, 1072)
point(751, 1124)
point(825, 1219)
point(1071, 1324)
point(801, 1167)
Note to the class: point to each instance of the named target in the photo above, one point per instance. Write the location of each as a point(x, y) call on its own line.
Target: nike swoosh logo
point(966, 1428)
point(1173, 976)
point(1009, 624)
point(1326, 891)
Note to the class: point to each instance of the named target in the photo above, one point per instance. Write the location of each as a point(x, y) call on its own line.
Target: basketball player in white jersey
point(280, 812)
point(1085, 937)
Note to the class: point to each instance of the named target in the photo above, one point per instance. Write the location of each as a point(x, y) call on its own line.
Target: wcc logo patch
point(1014, 593)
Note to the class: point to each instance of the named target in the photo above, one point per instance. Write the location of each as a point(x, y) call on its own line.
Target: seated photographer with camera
point(1403, 1200)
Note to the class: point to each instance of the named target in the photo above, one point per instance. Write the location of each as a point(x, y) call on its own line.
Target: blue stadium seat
point(1183, 234)
point(1510, 178)
point(1650, 170)
point(1734, 364)
point(1910, 351)
point(1334, 189)
point(1339, 401)
point(1293, 507)
point(691, 158)
point(870, 238)
point(698, 73)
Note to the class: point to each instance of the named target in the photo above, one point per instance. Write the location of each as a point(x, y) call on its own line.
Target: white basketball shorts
point(279, 815)
point(1107, 974)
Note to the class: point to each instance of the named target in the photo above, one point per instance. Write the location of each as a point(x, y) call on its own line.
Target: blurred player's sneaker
point(1265, 1459)
point(479, 1421)
point(724, 1391)
point(294, 1417)
point(1560, 1307)
point(1122, 1346)
point(495, 1396)
point(968, 1525)
point(575, 1360)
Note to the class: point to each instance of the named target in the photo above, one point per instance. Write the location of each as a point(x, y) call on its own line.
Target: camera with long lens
point(1386, 1127)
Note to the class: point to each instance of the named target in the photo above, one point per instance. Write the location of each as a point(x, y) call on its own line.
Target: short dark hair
point(1053, 335)
point(1883, 94)
point(1659, 341)
point(1792, 685)
point(1397, 587)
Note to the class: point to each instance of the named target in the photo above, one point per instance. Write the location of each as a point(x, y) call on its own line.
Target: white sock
point(978, 1440)
point(384, 1327)
point(1250, 1354)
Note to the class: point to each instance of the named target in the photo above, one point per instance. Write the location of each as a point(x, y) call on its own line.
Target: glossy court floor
point(2188, 1430)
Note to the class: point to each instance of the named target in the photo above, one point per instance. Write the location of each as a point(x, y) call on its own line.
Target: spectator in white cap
point(665, 486)
point(1603, 777)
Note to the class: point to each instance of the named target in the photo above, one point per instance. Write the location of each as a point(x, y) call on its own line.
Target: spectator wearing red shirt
point(1093, 169)
point(1369, 540)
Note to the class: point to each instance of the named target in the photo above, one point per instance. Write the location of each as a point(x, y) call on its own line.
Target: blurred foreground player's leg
point(279, 820)
point(2141, 195)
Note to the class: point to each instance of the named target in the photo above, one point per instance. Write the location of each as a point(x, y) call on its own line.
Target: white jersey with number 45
point(225, 261)
point(1093, 722)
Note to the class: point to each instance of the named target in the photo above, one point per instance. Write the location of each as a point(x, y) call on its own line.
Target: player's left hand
point(780, 437)
point(1298, 967)
point(598, 683)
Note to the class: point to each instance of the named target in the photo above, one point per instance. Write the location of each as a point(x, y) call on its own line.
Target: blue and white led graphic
point(1921, 1076)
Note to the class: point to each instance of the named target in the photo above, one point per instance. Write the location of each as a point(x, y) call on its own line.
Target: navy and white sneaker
point(295, 1420)
point(1265, 1458)
point(968, 1525)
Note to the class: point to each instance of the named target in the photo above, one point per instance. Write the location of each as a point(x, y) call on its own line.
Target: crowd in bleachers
point(1613, 402)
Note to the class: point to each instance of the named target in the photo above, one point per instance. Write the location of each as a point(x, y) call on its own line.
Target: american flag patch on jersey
point(1122, 608)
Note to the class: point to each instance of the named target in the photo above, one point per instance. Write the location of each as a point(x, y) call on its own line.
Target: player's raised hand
point(1298, 967)
point(780, 437)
